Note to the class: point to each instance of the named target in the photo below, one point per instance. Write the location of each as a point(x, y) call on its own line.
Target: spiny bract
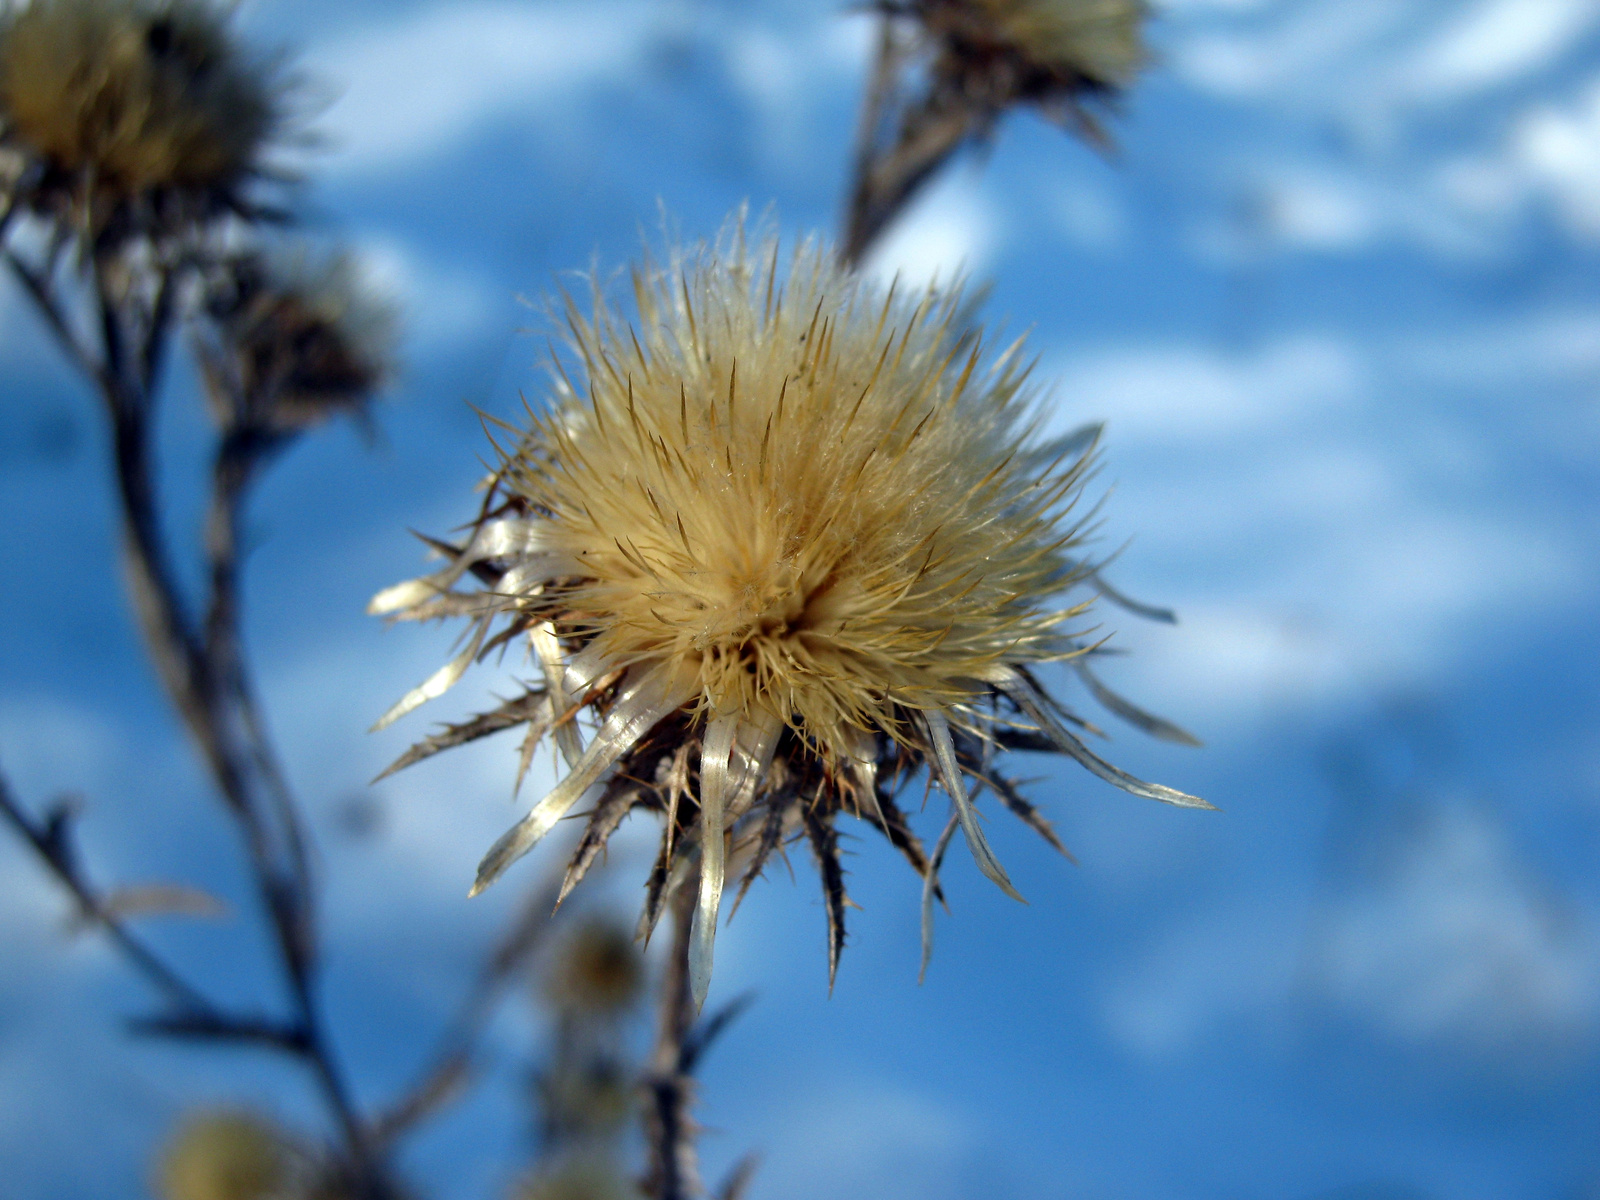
point(789, 538)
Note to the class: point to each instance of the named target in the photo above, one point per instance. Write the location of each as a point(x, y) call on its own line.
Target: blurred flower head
point(227, 1156)
point(1056, 54)
point(790, 540)
point(597, 972)
point(295, 337)
point(578, 1177)
point(142, 111)
point(1084, 43)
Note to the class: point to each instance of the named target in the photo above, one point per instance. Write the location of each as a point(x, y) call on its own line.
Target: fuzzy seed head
point(803, 496)
point(790, 541)
point(131, 97)
point(598, 973)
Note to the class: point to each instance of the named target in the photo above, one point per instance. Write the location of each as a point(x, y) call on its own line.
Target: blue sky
point(1336, 298)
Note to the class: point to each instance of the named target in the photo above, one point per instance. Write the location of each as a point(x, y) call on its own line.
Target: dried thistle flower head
point(790, 541)
point(598, 971)
point(970, 61)
point(226, 1156)
point(118, 102)
point(296, 337)
point(1043, 45)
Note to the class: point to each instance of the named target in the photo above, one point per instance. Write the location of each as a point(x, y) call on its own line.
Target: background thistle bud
point(113, 103)
point(971, 61)
point(580, 1177)
point(598, 971)
point(294, 338)
point(226, 1156)
point(790, 540)
point(1039, 47)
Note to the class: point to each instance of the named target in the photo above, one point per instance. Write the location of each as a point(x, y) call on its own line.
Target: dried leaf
point(930, 888)
point(655, 889)
point(1028, 699)
point(1150, 612)
point(897, 828)
point(1031, 816)
point(160, 900)
point(949, 774)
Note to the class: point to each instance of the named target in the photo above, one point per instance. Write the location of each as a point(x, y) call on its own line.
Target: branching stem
point(204, 672)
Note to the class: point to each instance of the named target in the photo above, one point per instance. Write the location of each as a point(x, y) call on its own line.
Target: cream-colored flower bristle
point(116, 99)
point(796, 523)
point(813, 503)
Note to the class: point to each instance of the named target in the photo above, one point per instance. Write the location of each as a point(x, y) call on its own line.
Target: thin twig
point(39, 292)
point(923, 135)
point(451, 1063)
point(208, 699)
point(241, 455)
point(669, 1128)
point(192, 1010)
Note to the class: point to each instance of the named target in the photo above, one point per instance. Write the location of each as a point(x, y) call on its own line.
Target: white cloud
point(1558, 347)
point(1447, 940)
point(789, 71)
point(950, 230)
point(1436, 937)
point(1550, 157)
point(1358, 94)
point(48, 747)
point(440, 304)
point(1086, 214)
point(1222, 969)
point(1183, 392)
point(1295, 56)
point(865, 1138)
point(1558, 152)
point(410, 90)
point(1493, 43)
point(1311, 558)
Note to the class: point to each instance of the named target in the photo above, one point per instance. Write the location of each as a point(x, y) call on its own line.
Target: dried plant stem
point(895, 154)
point(669, 1127)
point(51, 841)
point(452, 1061)
point(204, 673)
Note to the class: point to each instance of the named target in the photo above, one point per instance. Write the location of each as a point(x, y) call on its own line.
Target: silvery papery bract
point(789, 540)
